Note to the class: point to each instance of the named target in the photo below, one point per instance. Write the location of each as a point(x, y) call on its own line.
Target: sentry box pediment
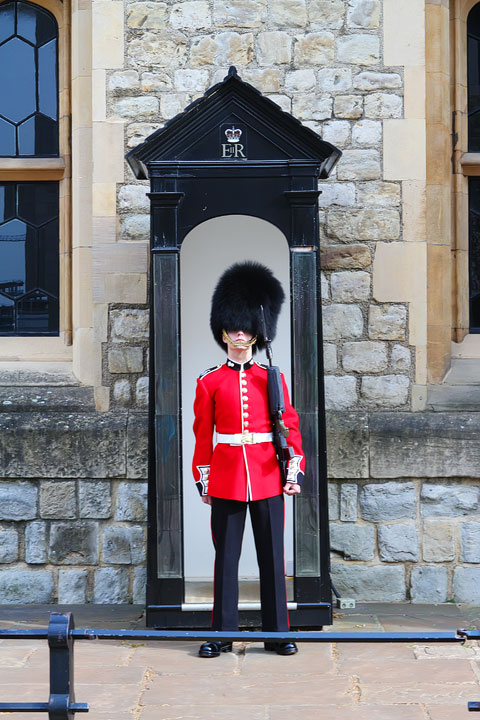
point(233, 122)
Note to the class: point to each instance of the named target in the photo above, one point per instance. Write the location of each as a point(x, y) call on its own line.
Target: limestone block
point(348, 505)
point(18, 500)
point(58, 499)
point(325, 292)
point(466, 585)
point(239, 13)
point(147, 15)
point(138, 132)
point(203, 51)
point(8, 545)
point(264, 79)
point(36, 543)
point(347, 442)
point(131, 501)
point(142, 107)
point(345, 257)
point(354, 542)
point(110, 586)
point(137, 445)
point(383, 105)
point(398, 542)
point(107, 34)
point(358, 49)
point(348, 106)
point(94, 499)
point(350, 286)
point(429, 584)
point(172, 104)
point(191, 15)
point(312, 107)
point(449, 500)
point(72, 587)
point(191, 80)
point(367, 132)
point(334, 193)
point(274, 48)
point(139, 585)
point(370, 80)
point(162, 49)
point(386, 391)
point(153, 82)
point(141, 392)
point(299, 80)
point(283, 101)
point(363, 14)
point(129, 325)
point(289, 13)
point(334, 79)
point(122, 392)
point(119, 288)
point(378, 193)
point(401, 358)
point(18, 586)
point(327, 13)
point(470, 539)
point(397, 135)
point(340, 392)
point(364, 357)
point(387, 322)
point(123, 81)
point(329, 357)
point(133, 197)
point(233, 48)
point(404, 43)
point(364, 224)
point(333, 505)
point(124, 545)
point(438, 540)
point(342, 321)
point(403, 285)
point(388, 501)
point(315, 48)
point(125, 359)
point(359, 165)
point(73, 544)
point(369, 584)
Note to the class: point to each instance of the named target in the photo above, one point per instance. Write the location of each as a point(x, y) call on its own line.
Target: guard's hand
point(207, 499)
point(291, 488)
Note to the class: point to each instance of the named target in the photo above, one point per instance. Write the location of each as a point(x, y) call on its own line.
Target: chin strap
point(243, 344)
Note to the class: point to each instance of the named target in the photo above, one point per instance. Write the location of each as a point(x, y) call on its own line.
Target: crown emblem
point(233, 134)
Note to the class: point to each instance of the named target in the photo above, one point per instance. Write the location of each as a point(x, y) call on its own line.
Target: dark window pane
point(37, 202)
point(48, 257)
point(474, 252)
point(17, 80)
point(13, 245)
point(35, 24)
point(47, 79)
point(36, 313)
point(7, 138)
point(38, 136)
point(473, 78)
point(7, 202)
point(7, 21)
point(7, 317)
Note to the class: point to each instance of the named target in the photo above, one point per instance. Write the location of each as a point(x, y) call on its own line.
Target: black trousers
point(228, 523)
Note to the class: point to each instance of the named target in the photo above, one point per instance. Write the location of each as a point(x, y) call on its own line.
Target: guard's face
point(238, 336)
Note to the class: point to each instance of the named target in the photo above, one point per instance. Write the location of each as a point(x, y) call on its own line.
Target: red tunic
point(230, 399)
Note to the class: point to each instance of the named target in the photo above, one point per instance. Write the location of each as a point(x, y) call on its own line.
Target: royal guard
point(236, 465)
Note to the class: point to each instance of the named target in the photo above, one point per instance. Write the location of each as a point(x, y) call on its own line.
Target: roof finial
point(232, 71)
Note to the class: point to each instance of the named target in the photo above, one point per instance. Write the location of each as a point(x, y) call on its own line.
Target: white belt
point(245, 438)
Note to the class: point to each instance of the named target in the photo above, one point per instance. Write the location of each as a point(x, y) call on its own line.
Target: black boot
point(282, 648)
point(213, 649)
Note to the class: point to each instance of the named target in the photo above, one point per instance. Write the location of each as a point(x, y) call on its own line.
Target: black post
point(62, 694)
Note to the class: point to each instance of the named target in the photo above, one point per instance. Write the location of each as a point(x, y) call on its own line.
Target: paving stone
point(438, 540)
point(366, 584)
point(449, 500)
point(386, 390)
point(340, 392)
point(131, 501)
point(354, 542)
point(342, 321)
point(18, 586)
point(123, 545)
point(72, 587)
point(58, 499)
point(398, 542)
point(364, 356)
point(73, 543)
point(466, 585)
point(345, 257)
point(347, 445)
point(8, 545)
point(94, 499)
point(470, 539)
point(110, 586)
point(18, 500)
point(388, 501)
point(36, 543)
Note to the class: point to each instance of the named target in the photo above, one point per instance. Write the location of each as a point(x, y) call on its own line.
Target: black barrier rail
point(61, 635)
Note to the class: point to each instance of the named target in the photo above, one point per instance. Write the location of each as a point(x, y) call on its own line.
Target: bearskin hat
point(236, 301)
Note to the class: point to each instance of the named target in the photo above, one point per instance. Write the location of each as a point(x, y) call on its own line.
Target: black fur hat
point(236, 301)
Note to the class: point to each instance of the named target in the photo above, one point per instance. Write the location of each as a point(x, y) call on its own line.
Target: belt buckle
point(247, 438)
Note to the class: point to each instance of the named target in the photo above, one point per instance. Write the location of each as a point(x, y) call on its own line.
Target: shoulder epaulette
point(264, 367)
point(206, 372)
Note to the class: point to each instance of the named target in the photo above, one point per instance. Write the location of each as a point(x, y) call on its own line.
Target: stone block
point(172, 104)
point(58, 499)
point(141, 392)
point(348, 106)
point(124, 545)
point(327, 13)
point(350, 286)
point(94, 499)
point(359, 165)
point(358, 49)
point(110, 586)
point(388, 501)
point(300, 80)
point(333, 504)
point(135, 227)
point(342, 321)
point(334, 79)
point(125, 359)
point(429, 584)
point(123, 81)
point(398, 542)
point(139, 585)
point(122, 392)
point(154, 82)
point(466, 585)
point(191, 80)
point(264, 79)
point(387, 322)
point(383, 105)
point(239, 13)
point(386, 391)
point(160, 49)
point(345, 257)
point(8, 545)
point(364, 224)
point(315, 48)
point(35, 543)
point(233, 48)
point(334, 193)
point(289, 13)
point(324, 287)
point(363, 14)
point(312, 107)
point(22, 587)
point(364, 356)
point(449, 500)
point(72, 587)
point(348, 503)
point(369, 584)
point(131, 501)
point(138, 132)
point(367, 133)
point(438, 540)
point(134, 197)
point(340, 392)
point(18, 500)
point(330, 357)
point(129, 325)
point(191, 15)
point(147, 15)
point(137, 446)
point(470, 539)
point(143, 107)
point(354, 542)
point(73, 544)
point(378, 193)
point(347, 445)
point(401, 358)
point(370, 80)
point(274, 48)
point(283, 101)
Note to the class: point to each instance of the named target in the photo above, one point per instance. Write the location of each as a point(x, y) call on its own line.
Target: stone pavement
point(167, 681)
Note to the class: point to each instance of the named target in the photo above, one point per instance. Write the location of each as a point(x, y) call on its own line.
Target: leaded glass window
point(474, 252)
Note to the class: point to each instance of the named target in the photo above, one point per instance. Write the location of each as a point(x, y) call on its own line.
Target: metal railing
point(61, 635)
